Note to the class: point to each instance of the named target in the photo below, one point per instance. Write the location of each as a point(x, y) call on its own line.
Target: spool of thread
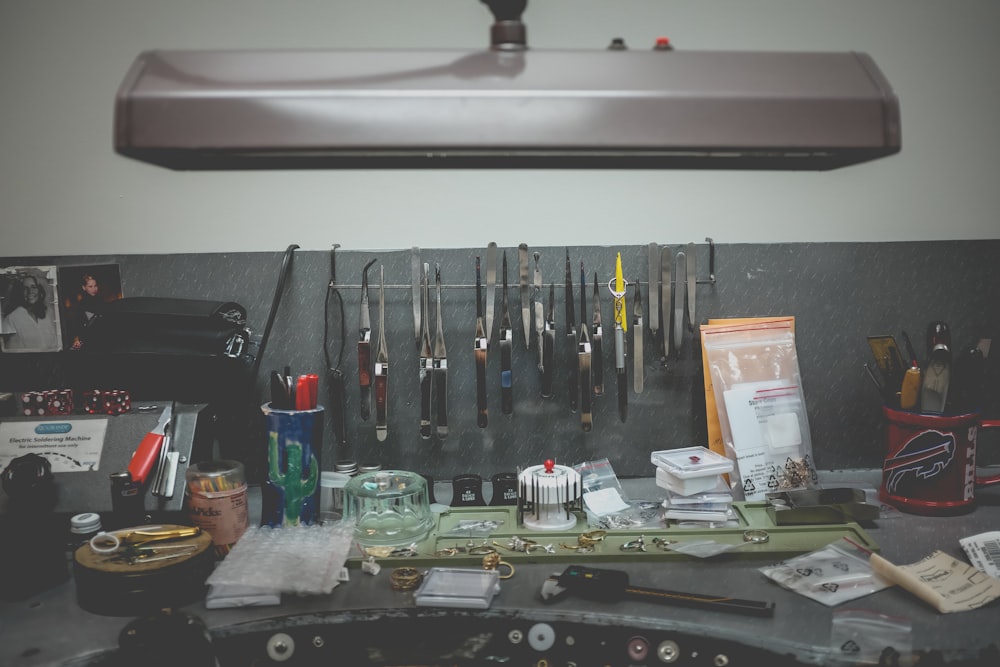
point(217, 501)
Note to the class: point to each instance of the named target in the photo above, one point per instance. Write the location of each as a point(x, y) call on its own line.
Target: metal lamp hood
point(506, 106)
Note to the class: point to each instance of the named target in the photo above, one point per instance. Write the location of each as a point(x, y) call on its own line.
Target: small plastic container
point(82, 527)
point(389, 507)
point(458, 587)
point(217, 501)
point(331, 503)
point(689, 470)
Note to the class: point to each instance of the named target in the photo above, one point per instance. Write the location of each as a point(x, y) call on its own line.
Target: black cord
point(332, 290)
point(286, 265)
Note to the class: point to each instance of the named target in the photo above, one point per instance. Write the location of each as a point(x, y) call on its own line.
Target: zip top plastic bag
point(761, 406)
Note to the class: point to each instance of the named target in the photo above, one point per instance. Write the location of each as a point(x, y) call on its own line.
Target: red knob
point(549, 465)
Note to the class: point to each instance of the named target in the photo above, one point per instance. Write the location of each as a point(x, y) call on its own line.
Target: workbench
point(364, 621)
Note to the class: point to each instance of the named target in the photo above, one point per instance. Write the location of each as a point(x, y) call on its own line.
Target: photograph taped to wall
point(86, 288)
point(30, 300)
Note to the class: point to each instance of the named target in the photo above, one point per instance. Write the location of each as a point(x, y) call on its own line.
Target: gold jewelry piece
point(451, 551)
point(756, 536)
point(492, 562)
point(594, 536)
point(482, 550)
point(405, 578)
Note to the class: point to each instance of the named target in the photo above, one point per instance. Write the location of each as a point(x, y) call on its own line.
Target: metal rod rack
point(374, 284)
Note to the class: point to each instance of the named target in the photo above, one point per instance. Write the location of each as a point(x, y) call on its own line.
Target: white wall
point(64, 191)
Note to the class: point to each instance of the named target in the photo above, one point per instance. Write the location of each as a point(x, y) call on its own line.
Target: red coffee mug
point(930, 462)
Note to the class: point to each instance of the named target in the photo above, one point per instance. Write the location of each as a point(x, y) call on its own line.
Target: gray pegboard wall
point(839, 293)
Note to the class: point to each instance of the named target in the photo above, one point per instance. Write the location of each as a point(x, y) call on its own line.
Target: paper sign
point(942, 581)
point(71, 445)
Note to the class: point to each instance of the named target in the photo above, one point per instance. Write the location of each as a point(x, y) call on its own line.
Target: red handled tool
point(149, 449)
point(306, 390)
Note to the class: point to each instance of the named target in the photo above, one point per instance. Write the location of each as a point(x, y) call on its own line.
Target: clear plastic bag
point(834, 574)
point(473, 528)
point(602, 492)
point(761, 406)
point(862, 637)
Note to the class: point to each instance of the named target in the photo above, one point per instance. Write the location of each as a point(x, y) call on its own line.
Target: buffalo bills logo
point(925, 456)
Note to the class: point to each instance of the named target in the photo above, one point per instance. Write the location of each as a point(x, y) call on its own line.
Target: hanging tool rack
point(709, 280)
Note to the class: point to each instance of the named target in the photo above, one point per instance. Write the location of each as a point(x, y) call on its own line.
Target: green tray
point(783, 541)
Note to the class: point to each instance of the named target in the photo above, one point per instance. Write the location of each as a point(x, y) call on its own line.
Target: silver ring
point(756, 536)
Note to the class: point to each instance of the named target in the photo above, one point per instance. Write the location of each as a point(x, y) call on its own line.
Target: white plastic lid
point(88, 522)
point(690, 462)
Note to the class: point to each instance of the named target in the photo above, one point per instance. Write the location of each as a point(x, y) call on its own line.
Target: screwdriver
point(613, 585)
point(909, 391)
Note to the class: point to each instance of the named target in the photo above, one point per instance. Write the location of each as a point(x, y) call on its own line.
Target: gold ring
point(756, 536)
point(450, 551)
point(492, 562)
point(594, 535)
point(405, 578)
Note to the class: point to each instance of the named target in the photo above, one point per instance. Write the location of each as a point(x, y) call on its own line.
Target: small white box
point(688, 487)
point(690, 470)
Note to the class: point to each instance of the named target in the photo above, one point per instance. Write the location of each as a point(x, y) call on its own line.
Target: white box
point(690, 470)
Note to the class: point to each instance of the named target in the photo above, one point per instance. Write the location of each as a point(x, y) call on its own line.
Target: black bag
point(167, 326)
point(157, 348)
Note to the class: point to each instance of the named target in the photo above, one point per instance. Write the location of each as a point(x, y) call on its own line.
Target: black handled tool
point(574, 371)
point(335, 374)
point(585, 359)
point(653, 288)
point(637, 344)
point(613, 585)
point(440, 381)
point(480, 347)
point(597, 343)
point(381, 368)
point(365, 347)
point(909, 391)
point(548, 345)
point(506, 345)
point(426, 357)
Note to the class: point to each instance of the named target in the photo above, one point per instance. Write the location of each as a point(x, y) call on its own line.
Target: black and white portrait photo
point(30, 309)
